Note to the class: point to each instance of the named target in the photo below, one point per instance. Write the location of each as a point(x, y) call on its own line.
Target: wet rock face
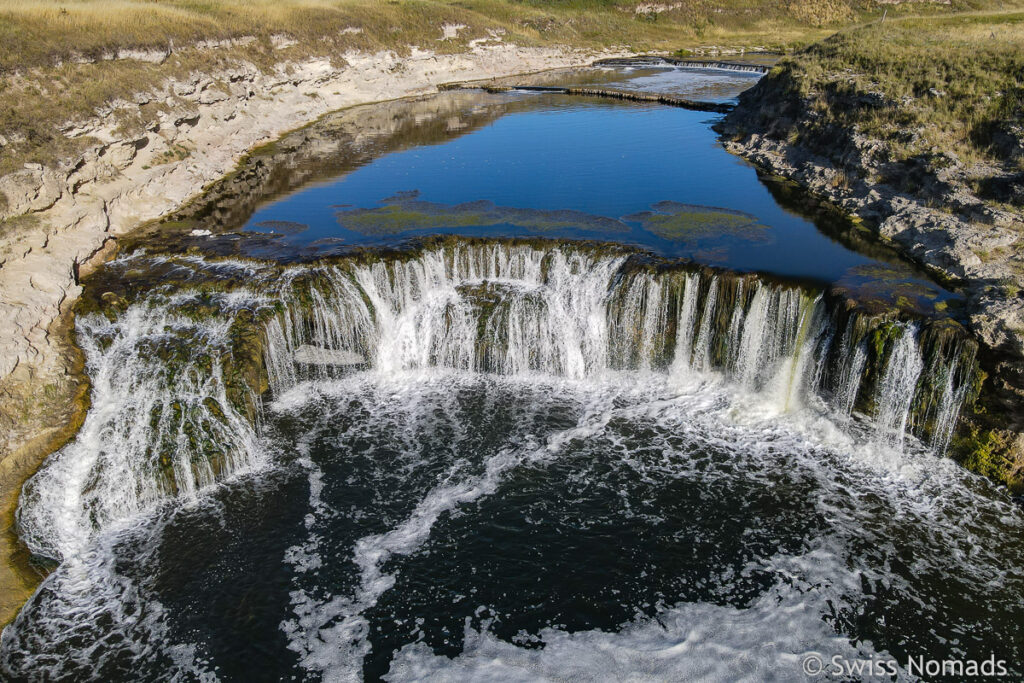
point(928, 209)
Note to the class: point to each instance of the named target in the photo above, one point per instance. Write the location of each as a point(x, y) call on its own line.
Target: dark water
point(451, 527)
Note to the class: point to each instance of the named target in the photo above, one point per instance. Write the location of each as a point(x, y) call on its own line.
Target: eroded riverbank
point(439, 423)
point(931, 210)
point(376, 406)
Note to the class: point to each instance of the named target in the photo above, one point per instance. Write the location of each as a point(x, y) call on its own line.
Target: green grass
point(937, 91)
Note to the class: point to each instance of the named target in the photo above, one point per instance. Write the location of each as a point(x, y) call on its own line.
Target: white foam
point(566, 321)
point(330, 636)
point(688, 642)
point(86, 596)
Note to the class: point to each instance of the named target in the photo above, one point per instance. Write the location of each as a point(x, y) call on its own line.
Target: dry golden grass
point(38, 32)
point(58, 57)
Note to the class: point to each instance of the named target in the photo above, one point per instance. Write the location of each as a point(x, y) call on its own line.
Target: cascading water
point(949, 406)
point(686, 320)
point(702, 349)
point(898, 385)
point(513, 309)
point(393, 349)
point(851, 361)
point(458, 458)
point(502, 308)
point(161, 425)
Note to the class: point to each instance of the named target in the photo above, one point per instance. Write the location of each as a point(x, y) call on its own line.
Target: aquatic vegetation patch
point(687, 224)
point(693, 223)
point(407, 213)
point(888, 285)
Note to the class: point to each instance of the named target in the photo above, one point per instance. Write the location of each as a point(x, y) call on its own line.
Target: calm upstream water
point(476, 458)
point(577, 168)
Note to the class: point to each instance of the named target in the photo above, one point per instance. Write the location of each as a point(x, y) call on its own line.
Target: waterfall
point(726, 66)
point(735, 326)
point(161, 425)
point(702, 351)
point(952, 380)
point(851, 359)
point(512, 308)
point(649, 61)
point(177, 377)
point(949, 409)
point(793, 373)
point(897, 388)
point(496, 308)
point(685, 325)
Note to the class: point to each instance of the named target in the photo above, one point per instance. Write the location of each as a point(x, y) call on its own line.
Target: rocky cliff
point(59, 222)
point(928, 206)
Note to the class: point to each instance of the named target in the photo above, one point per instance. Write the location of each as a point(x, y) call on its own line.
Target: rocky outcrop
point(927, 211)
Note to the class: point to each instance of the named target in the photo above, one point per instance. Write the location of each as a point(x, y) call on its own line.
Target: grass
point(59, 58)
point(41, 32)
point(63, 61)
point(938, 92)
point(932, 105)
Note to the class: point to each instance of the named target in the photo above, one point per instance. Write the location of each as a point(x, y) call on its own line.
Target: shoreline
point(66, 224)
point(18, 577)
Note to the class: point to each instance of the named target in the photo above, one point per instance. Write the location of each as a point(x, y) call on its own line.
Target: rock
point(934, 216)
point(451, 31)
point(120, 155)
point(107, 191)
point(280, 41)
point(89, 265)
point(212, 95)
point(151, 56)
point(1000, 323)
point(183, 89)
point(315, 355)
point(34, 189)
point(188, 120)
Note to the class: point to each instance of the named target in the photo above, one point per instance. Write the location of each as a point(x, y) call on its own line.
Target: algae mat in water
point(407, 213)
point(690, 223)
point(673, 221)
